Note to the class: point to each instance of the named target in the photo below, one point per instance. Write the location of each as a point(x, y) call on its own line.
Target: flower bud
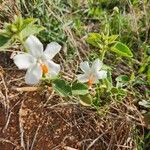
point(116, 9)
point(13, 28)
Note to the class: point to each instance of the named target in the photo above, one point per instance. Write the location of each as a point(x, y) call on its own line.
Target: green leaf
point(86, 100)
point(108, 81)
point(122, 92)
point(118, 91)
point(28, 21)
point(122, 80)
point(79, 89)
point(148, 74)
point(114, 90)
point(140, 82)
point(31, 29)
point(112, 38)
point(94, 39)
point(122, 50)
point(143, 67)
point(132, 77)
point(62, 87)
point(4, 40)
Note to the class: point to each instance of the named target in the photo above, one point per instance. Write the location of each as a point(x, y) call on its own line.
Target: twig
point(26, 89)
point(94, 141)
point(29, 89)
point(7, 141)
point(28, 143)
point(52, 94)
point(35, 137)
point(21, 128)
point(6, 94)
point(8, 120)
point(69, 148)
point(2, 99)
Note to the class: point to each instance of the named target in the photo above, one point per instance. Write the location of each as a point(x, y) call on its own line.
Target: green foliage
point(97, 7)
point(118, 93)
point(122, 50)
point(86, 100)
point(108, 81)
point(91, 97)
point(100, 40)
point(95, 39)
point(18, 30)
point(31, 30)
point(106, 43)
point(145, 66)
point(119, 23)
point(79, 89)
point(4, 41)
point(50, 14)
point(62, 87)
point(122, 80)
point(111, 39)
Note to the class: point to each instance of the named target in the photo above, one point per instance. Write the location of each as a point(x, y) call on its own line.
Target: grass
point(120, 125)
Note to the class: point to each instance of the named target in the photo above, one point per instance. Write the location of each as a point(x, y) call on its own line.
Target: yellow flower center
point(44, 68)
point(90, 82)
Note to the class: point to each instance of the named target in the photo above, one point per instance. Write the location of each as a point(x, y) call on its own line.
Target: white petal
point(101, 74)
point(52, 49)
point(85, 66)
point(24, 61)
point(96, 65)
point(53, 68)
point(33, 75)
point(34, 46)
point(82, 78)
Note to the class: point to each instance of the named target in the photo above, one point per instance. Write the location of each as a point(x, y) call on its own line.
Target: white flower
point(91, 74)
point(36, 61)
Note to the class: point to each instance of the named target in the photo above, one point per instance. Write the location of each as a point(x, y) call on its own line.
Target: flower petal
point(52, 49)
point(24, 61)
point(85, 66)
point(101, 74)
point(53, 68)
point(34, 45)
point(33, 75)
point(96, 65)
point(82, 78)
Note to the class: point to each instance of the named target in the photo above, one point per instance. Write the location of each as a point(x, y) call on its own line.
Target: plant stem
point(103, 54)
point(22, 42)
point(98, 92)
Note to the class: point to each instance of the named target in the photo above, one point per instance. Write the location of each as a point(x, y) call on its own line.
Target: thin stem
point(98, 92)
point(103, 54)
point(22, 42)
